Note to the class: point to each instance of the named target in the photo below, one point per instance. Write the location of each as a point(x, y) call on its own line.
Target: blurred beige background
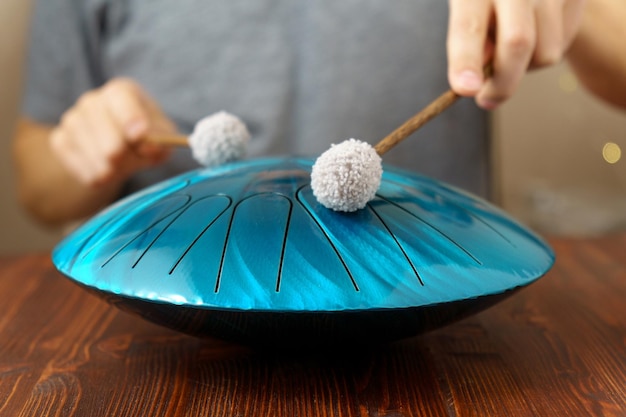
point(559, 157)
point(17, 233)
point(556, 149)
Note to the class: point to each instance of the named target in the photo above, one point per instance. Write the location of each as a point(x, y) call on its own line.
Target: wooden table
point(557, 348)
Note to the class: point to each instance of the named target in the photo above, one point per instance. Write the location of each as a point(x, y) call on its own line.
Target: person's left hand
point(514, 35)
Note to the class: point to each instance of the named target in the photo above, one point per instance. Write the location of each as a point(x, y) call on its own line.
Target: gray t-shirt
point(301, 74)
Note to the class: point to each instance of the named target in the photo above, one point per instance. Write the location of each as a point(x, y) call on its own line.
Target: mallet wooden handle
point(171, 139)
point(407, 128)
point(433, 109)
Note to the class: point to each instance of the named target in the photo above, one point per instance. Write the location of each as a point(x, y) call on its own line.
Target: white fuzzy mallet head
point(218, 138)
point(347, 176)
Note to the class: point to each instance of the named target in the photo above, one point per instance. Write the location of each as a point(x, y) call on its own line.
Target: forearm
point(45, 188)
point(598, 53)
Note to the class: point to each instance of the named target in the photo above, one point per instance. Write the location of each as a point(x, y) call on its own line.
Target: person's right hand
point(513, 35)
point(99, 139)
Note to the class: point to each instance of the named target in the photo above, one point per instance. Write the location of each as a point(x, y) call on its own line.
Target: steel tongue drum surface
point(245, 253)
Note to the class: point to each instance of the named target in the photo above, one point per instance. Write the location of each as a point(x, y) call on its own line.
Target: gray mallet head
point(219, 138)
point(346, 176)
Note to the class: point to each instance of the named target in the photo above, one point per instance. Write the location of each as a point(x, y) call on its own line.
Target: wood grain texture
point(557, 348)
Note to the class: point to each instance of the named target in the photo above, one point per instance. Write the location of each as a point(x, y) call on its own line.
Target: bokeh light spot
point(611, 152)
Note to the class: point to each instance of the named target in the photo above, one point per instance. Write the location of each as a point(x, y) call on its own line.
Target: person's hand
point(514, 35)
point(99, 139)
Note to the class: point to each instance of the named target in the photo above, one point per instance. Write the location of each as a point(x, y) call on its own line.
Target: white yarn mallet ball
point(347, 176)
point(219, 138)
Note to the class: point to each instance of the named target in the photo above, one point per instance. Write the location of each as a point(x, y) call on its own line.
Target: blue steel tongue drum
point(245, 253)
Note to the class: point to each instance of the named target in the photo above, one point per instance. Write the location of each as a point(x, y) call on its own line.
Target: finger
point(136, 151)
point(515, 42)
point(101, 138)
point(467, 34)
point(107, 144)
point(121, 157)
point(159, 121)
point(154, 109)
point(126, 150)
point(573, 11)
point(138, 114)
point(549, 23)
point(81, 142)
point(127, 110)
point(63, 151)
point(70, 156)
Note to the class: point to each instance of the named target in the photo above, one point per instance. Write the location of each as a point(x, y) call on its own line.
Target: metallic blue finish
point(250, 237)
